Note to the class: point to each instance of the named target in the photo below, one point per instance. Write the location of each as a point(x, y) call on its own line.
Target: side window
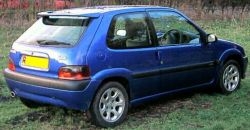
point(173, 29)
point(129, 31)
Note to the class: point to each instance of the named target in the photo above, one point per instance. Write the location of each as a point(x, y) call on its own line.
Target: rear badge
point(62, 58)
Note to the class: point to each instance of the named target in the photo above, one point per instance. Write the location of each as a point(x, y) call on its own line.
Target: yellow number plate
point(35, 62)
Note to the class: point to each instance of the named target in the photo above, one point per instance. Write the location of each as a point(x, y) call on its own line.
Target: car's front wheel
point(230, 77)
point(110, 105)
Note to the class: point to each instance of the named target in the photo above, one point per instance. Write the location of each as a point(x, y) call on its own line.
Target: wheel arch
point(119, 79)
point(233, 55)
point(121, 75)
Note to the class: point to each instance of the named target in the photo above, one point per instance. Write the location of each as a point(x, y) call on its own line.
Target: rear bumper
point(70, 94)
point(245, 63)
point(48, 82)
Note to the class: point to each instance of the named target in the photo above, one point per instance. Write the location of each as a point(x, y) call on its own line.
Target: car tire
point(30, 104)
point(110, 105)
point(230, 77)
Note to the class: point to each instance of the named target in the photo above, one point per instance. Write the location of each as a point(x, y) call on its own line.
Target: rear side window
point(129, 31)
point(55, 30)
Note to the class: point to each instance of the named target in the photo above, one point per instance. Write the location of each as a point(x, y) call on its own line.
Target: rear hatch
point(49, 44)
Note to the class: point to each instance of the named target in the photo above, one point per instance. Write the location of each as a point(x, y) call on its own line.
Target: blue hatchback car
point(104, 59)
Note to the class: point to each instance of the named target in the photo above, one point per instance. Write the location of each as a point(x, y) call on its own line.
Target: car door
point(131, 47)
point(184, 60)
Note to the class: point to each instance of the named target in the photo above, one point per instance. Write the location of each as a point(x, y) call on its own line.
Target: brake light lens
point(74, 72)
point(11, 65)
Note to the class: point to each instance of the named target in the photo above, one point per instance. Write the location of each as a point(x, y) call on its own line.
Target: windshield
point(55, 30)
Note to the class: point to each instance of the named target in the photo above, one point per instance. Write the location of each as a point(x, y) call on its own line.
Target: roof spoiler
point(54, 13)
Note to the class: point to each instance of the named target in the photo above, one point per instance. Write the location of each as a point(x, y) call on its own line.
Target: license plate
point(35, 62)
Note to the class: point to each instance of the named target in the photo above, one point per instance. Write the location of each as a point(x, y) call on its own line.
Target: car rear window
point(55, 30)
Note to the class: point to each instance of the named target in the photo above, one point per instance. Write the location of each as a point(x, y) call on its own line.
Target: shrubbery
point(197, 9)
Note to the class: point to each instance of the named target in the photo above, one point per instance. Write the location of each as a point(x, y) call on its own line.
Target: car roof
point(95, 11)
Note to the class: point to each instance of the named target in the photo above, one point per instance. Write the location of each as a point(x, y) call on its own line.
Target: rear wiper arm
point(51, 42)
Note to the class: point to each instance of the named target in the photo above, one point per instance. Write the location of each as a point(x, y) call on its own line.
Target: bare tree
point(208, 6)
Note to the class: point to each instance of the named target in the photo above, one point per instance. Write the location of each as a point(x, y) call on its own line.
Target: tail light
point(11, 65)
point(74, 72)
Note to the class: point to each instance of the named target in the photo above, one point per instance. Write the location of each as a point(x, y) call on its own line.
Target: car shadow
point(153, 109)
point(170, 103)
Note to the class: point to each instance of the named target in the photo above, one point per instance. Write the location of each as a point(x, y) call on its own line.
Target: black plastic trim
point(174, 69)
point(46, 82)
point(245, 63)
point(146, 73)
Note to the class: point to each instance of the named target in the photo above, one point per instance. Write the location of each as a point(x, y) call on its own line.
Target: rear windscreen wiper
point(51, 42)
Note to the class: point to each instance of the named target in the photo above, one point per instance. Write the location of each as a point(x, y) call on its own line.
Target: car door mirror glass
point(211, 38)
point(121, 33)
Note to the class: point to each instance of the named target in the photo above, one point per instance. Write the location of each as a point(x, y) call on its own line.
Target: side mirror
point(211, 38)
point(121, 33)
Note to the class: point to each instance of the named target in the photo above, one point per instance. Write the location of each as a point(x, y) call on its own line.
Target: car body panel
point(196, 60)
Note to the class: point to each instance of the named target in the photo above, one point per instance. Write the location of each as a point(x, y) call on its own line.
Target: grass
point(197, 110)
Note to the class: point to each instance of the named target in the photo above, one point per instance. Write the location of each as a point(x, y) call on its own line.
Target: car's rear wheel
point(30, 104)
point(110, 105)
point(230, 77)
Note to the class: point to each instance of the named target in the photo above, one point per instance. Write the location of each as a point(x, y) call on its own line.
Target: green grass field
point(197, 110)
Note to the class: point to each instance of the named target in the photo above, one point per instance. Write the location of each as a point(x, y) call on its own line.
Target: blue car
point(104, 59)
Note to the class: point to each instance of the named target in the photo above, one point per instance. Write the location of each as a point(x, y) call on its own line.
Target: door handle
point(158, 55)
